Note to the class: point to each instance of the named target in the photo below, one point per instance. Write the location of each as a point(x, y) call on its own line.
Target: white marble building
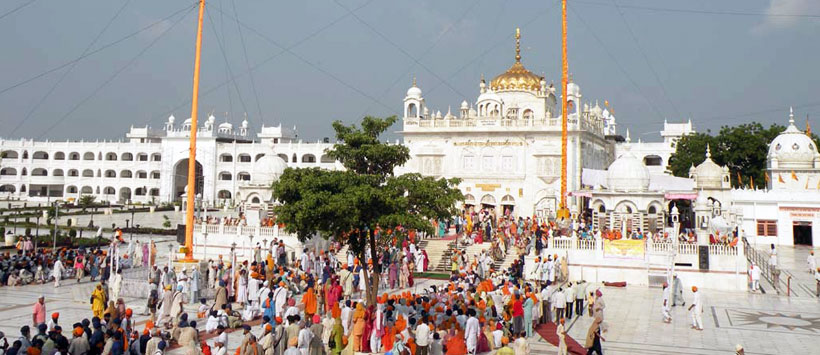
point(506, 145)
point(655, 155)
point(151, 165)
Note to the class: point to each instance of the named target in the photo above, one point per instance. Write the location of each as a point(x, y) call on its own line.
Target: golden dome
point(517, 77)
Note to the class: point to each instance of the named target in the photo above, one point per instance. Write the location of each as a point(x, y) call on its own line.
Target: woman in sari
point(336, 337)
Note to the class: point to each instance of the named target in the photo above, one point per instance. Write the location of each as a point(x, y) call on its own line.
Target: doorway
point(802, 233)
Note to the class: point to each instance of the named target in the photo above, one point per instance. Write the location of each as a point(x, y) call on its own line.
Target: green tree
point(350, 206)
point(742, 148)
point(86, 201)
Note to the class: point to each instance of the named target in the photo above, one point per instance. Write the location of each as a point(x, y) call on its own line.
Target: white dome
point(414, 91)
point(793, 149)
point(573, 89)
point(188, 121)
point(171, 119)
point(489, 95)
point(627, 173)
point(464, 104)
point(709, 175)
point(267, 169)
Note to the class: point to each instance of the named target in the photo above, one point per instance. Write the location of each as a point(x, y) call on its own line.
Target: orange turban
point(129, 312)
point(55, 315)
point(78, 331)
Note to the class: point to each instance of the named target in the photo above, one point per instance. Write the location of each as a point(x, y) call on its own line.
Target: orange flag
point(751, 182)
point(780, 178)
point(807, 184)
point(794, 176)
point(739, 180)
point(766, 176)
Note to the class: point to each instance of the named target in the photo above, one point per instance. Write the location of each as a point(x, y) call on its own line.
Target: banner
point(624, 249)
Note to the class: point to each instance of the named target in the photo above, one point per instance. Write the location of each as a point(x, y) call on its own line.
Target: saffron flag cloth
point(766, 177)
point(780, 178)
point(794, 176)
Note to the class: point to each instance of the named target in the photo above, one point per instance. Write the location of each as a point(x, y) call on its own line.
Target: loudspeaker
point(703, 257)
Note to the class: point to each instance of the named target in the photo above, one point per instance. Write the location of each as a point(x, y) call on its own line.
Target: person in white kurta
point(419, 262)
point(754, 274)
point(280, 296)
point(697, 309)
point(812, 262)
point(57, 272)
point(562, 334)
point(242, 289)
point(471, 332)
point(667, 303)
point(116, 285)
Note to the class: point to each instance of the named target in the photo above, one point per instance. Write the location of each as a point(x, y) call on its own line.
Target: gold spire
point(414, 80)
point(517, 44)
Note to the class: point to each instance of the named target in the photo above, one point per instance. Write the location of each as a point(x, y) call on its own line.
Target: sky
point(91, 69)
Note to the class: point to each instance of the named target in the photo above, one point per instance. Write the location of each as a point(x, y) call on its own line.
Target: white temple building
point(150, 166)
point(506, 145)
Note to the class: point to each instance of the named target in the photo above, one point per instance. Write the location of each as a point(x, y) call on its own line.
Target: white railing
point(720, 249)
point(562, 243)
point(588, 244)
point(685, 249)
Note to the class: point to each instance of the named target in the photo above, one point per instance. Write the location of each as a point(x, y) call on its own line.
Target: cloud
point(777, 8)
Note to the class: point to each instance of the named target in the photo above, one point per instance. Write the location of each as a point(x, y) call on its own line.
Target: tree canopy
point(742, 148)
point(350, 205)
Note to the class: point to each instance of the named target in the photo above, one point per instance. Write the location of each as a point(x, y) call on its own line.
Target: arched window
point(39, 172)
point(255, 200)
point(244, 158)
point(225, 176)
point(86, 190)
point(602, 208)
point(7, 188)
point(127, 157)
point(527, 114)
point(294, 158)
point(25, 154)
point(243, 176)
point(308, 158)
point(156, 157)
point(8, 172)
point(40, 155)
point(224, 194)
point(23, 188)
point(284, 157)
point(326, 159)
point(88, 156)
point(71, 189)
point(258, 156)
point(57, 172)
point(126, 174)
point(226, 158)
point(111, 156)
point(652, 210)
point(109, 191)
point(59, 156)
point(155, 174)
point(73, 172)
point(154, 192)
point(142, 174)
point(88, 173)
point(142, 157)
point(9, 154)
point(140, 191)
point(110, 174)
point(74, 156)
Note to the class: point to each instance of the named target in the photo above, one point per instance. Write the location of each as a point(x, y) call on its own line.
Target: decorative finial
point(708, 151)
point(517, 44)
point(628, 140)
point(482, 77)
point(791, 115)
point(414, 80)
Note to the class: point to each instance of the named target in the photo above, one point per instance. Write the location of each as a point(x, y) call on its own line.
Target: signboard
point(801, 212)
point(624, 249)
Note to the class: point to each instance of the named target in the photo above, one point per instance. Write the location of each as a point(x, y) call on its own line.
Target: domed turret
point(627, 173)
point(414, 91)
point(171, 119)
point(267, 169)
point(792, 149)
point(709, 175)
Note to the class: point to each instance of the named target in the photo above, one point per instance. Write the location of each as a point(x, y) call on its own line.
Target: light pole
point(265, 245)
point(56, 216)
point(250, 248)
point(205, 244)
point(233, 254)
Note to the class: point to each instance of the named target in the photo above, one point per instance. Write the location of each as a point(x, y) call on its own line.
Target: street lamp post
point(205, 244)
point(250, 248)
point(56, 216)
point(233, 254)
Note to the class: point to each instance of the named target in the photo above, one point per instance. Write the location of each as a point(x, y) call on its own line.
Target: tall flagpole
point(563, 212)
point(189, 210)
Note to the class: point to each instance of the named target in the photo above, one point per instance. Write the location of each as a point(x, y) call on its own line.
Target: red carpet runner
point(547, 331)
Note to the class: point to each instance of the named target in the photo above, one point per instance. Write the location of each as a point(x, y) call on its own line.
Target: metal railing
point(761, 260)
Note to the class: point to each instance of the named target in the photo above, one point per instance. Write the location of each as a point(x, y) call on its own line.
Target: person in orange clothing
point(309, 300)
point(358, 327)
point(388, 338)
point(456, 345)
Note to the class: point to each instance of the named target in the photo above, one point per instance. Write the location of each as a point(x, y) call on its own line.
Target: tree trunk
point(372, 286)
